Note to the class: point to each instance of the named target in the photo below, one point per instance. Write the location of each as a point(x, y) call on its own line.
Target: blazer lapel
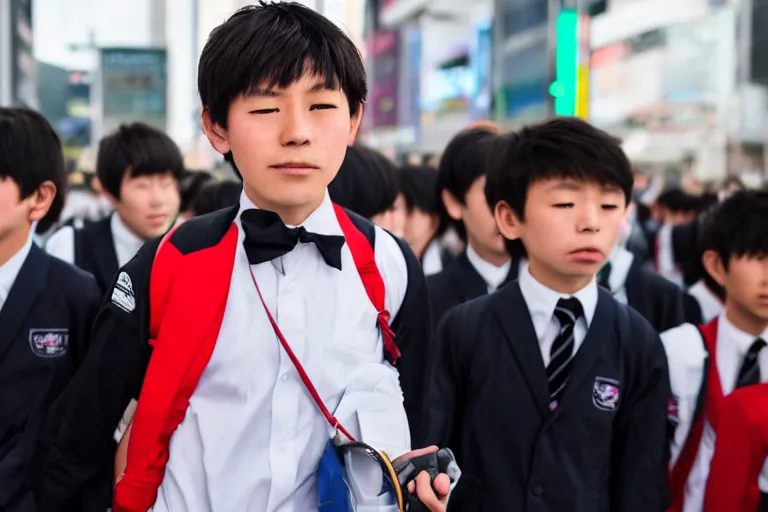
point(593, 346)
point(28, 286)
point(515, 323)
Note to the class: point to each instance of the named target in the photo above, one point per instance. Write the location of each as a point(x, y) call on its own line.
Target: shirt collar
point(621, 261)
point(322, 221)
point(124, 236)
point(736, 338)
point(492, 275)
point(541, 300)
point(9, 271)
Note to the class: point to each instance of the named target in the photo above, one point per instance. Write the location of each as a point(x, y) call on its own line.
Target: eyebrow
point(576, 186)
point(271, 93)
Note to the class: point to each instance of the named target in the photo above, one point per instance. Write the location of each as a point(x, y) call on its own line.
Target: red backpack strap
point(165, 261)
point(365, 261)
point(682, 468)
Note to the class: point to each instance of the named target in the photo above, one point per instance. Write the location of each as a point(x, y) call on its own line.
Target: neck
point(555, 280)
point(11, 245)
point(291, 215)
point(743, 320)
point(495, 258)
point(128, 227)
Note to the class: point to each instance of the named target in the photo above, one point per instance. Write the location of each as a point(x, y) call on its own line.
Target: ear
point(509, 224)
point(714, 266)
point(354, 125)
point(41, 199)
point(215, 133)
point(452, 205)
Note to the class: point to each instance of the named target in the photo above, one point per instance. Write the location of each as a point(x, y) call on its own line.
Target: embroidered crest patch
point(124, 283)
point(49, 342)
point(605, 394)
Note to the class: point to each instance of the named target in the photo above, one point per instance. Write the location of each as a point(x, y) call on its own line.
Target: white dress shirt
point(252, 435)
point(432, 261)
point(492, 275)
point(62, 243)
point(732, 346)
point(665, 262)
point(541, 302)
point(9, 270)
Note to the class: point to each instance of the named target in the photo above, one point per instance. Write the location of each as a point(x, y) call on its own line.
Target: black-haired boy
point(139, 168)
point(485, 264)
point(706, 363)
point(422, 221)
point(220, 327)
point(553, 395)
point(47, 306)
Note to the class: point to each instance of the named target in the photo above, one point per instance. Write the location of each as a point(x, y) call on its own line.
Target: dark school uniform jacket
point(44, 335)
point(114, 371)
point(457, 283)
point(658, 300)
point(489, 398)
point(95, 251)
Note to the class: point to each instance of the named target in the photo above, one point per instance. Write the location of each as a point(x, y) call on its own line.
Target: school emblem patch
point(605, 394)
point(49, 342)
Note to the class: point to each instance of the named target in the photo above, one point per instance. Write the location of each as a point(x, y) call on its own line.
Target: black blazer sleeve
point(86, 414)
point(670, 299)
point(640, 477)
point(413, 331)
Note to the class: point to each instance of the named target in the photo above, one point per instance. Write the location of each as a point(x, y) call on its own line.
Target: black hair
point(463, 161)
point(216, 195)
point(138, 149)
point(417, 183)
point(190, 184)
point(677, 200)
point(275, 44)
point(367, 182)
point(737, 227)
point(564, 147)
point(31, 154)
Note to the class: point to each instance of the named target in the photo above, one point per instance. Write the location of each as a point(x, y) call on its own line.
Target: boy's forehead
point(573, 183)
point(309, 82)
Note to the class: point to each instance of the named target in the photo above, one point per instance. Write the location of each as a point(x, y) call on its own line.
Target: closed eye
point(264, 111)
point(322, 106)
point(610, 206)
point(563, 205)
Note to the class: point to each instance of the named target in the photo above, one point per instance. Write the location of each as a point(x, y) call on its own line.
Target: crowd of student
point(579, 344)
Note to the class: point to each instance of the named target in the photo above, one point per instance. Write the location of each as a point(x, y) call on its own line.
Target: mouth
point(763, 298)
point(295, 168)
point(158, 218)
point(587, 255)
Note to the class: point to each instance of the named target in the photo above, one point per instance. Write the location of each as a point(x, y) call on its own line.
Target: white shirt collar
point(432, 261)
point(541, 300)
point(124, 237)
point(9, 271)
point(621, 261)
point(492, 275)
point(736, 338)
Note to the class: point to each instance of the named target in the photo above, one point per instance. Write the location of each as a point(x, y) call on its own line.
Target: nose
point(296, 130)
point(589, 219)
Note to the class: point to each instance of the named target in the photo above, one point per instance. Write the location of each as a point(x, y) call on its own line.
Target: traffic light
point(570, 89)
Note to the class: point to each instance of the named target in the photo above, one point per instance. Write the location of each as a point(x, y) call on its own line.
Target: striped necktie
point(561, 354)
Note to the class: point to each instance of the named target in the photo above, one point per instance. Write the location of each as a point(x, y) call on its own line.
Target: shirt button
point(284, 377)
point(537, 490)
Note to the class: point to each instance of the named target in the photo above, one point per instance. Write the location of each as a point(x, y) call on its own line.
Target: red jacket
point(740, 452)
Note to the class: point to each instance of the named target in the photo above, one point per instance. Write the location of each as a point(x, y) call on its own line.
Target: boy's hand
point(422, 486)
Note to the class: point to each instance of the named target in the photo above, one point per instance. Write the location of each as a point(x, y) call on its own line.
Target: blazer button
point(537, 490)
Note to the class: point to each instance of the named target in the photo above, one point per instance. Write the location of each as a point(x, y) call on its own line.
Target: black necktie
point(567, 312)
point(268, 238)
point(604, 275)
point(749, 374)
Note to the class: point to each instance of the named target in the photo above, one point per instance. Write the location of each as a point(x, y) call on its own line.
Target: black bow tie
point(268, 238)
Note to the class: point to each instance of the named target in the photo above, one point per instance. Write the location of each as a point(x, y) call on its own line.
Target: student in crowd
point(708, 363)
point(139, 168)
point(245, 298)
point(368, 184)
point(47, 306)
point(190, 184)
point(632, 283)
point(485, 264)
point(552, 394)
point(418, 183)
